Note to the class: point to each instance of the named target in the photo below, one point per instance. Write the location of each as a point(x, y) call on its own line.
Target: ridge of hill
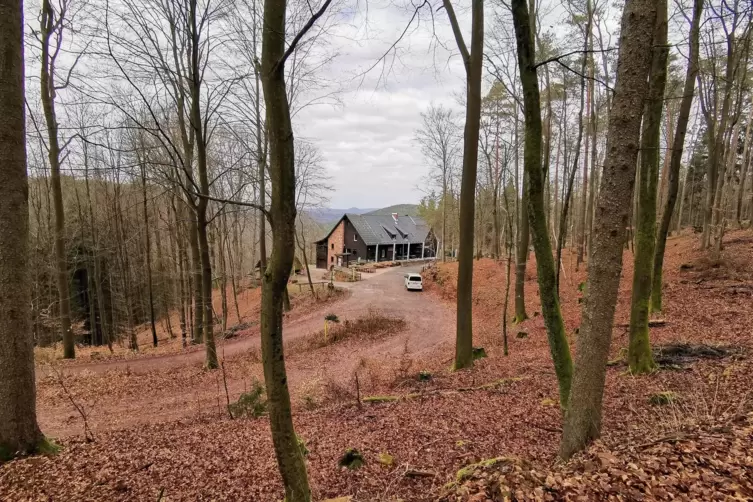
point(401, 209)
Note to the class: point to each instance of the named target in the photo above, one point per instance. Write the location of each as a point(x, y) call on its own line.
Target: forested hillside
point(582, 330)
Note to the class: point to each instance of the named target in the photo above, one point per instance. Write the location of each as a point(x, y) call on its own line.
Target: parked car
point(413, 282)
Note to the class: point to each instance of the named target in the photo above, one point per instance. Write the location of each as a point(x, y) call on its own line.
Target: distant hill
point(330, 215)
point(400, 209)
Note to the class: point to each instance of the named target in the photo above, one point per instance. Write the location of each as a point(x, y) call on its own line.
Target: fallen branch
point(652, 323)
point(415, 473)
point(88, 434)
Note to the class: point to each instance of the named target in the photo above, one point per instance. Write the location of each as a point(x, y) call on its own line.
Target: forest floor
point(159, 427)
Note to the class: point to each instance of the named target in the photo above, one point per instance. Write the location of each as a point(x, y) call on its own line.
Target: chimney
point(394, 217)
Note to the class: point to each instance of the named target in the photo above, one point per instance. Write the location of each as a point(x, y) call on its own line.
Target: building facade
point(375, 237)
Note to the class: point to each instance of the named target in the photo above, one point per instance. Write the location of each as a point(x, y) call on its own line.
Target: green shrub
point(250, 404)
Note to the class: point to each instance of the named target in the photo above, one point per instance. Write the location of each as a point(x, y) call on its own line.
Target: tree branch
point(281, 63)
point(581, 51)
point(458, 34)
point(235, 203)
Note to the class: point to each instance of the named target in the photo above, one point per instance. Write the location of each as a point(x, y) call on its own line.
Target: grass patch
point(373, 325)
point(662, 398)
point(469, 470)
point(45, 446)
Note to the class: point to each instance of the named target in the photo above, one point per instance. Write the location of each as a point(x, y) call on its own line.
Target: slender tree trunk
point(640, 358)
point(261, 160)
point(676, 160)
point(148, 254)
point(744, 169)
point(582, 223)
point(716, 137)
point(583, 417)
point(521, 250)
point(302, 246)
point(473, 65)
point(198, 310)
point(47, 80)
point(555, 327)
point(19, 432)
point(444, 212)
point(197, 124)
point(594, 165)
point(275, 276)
point(178, 254)
point(521, 253)
point(573, 172)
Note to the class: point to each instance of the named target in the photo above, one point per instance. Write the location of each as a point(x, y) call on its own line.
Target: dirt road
point(162, 388)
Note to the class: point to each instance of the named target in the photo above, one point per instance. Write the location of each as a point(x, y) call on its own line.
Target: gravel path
point(155, 389)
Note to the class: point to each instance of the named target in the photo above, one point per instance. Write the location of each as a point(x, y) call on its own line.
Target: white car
point(413, 281)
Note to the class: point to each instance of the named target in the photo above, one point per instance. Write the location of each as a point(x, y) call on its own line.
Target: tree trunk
point(444, 213)
point(744, 169)
point(148, 253)
point(583, 417)
point(210, 361)
point(473, 65)
point(275, 277)
point(197, 124)
point(19, 432)
point(47, 79)
point(302, 247)
point(198, 311)
point(521, 252)
point(676, 159)
point(555, 327)
point(640, 358)
point(573, 172)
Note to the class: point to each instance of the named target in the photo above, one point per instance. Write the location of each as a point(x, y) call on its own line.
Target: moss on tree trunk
point(676, 159)
point(584, 415)
point(640, 358)
point(282, 214)
point(555, 327)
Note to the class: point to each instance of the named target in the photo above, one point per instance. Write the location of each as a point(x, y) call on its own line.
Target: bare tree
point(282, 215)
point(676, 157)
point(472, 61)
point(555, 326)
point(54, 23)
point(439, 141)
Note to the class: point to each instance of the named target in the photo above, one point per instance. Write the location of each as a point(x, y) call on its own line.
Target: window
point(332, 259)
point(333, 246)
point(355, 237)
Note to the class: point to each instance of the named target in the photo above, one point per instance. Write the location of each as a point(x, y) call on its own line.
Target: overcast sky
point(367, 140)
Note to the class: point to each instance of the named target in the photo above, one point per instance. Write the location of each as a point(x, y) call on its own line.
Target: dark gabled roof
point(382, 228)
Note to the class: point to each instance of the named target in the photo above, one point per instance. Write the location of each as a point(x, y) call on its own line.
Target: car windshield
point(414, 278)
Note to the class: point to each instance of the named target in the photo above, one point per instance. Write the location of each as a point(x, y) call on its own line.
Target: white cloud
point(367, 141)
